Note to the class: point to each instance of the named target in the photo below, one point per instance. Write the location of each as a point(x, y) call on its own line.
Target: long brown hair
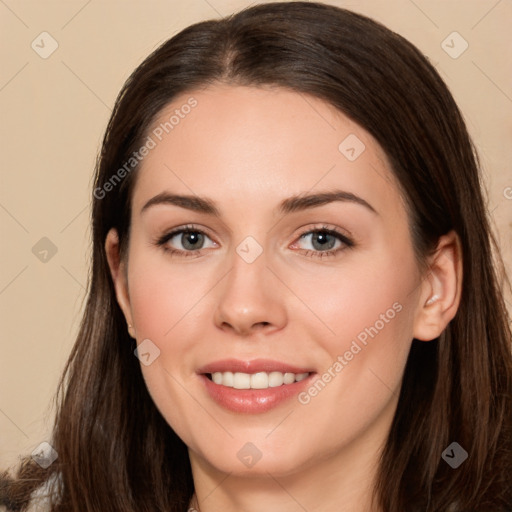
point(116, 452)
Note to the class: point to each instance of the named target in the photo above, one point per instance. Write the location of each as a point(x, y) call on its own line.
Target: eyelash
point(347, 242)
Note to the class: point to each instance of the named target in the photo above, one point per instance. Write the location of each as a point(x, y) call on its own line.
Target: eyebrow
point(292, 204)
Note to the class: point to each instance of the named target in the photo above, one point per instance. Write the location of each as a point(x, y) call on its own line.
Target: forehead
point(254, 146)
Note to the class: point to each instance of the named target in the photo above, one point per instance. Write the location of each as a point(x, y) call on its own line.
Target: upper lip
point(253, 366)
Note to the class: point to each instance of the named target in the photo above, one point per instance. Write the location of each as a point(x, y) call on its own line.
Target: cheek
point(162, 295)
point(163, 300)
point(362, 294)
point(365, 358)
point(368, 310)
point(373, 326)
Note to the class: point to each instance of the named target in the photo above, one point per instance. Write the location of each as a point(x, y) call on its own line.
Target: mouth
point(253, 386)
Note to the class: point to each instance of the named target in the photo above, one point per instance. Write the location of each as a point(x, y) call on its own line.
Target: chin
point(252, 459)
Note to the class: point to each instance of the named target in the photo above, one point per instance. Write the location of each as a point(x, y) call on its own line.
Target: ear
point(440, 290)
point(118, 272)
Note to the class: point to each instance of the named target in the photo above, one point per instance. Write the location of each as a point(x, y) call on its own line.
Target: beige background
point(53, 114)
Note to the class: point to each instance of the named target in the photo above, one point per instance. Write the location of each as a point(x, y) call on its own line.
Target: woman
point(289, 233)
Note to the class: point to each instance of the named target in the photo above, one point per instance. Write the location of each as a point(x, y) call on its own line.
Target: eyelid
point(185, 227)
point(322, 226)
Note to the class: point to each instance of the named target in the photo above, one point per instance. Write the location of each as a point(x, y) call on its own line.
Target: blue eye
point(325, 242)
point(321, 241)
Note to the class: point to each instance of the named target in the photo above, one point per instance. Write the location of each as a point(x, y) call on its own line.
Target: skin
point(247, 149)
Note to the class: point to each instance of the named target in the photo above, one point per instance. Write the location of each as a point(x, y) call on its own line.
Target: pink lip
point(254, 366)
point(252, 401)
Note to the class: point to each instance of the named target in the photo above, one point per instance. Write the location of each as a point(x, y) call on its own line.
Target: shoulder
point(40, 500)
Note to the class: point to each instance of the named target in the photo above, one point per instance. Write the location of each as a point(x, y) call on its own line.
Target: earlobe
point(119, 277)
point(440, 292)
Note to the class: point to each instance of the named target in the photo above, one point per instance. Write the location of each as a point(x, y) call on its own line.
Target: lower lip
point(253, 400)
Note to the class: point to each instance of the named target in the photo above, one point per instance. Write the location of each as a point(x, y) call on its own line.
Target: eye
point(190, 241)
point(323, 242)
point(185, 241)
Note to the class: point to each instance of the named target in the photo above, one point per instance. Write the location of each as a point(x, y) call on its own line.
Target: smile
point(260, 380)
point(255, 386)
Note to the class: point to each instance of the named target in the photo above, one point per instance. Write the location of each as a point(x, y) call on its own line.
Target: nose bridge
point(248, 300)
point(249, 265)
point(247, 281)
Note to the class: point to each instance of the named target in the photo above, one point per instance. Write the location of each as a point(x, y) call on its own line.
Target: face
point(281, 324)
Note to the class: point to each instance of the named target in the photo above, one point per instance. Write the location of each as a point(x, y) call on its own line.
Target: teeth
point(241, 381)
point(260, 380)
point(275, 379)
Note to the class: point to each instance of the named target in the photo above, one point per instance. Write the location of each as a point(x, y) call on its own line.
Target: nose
point(250, 299)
